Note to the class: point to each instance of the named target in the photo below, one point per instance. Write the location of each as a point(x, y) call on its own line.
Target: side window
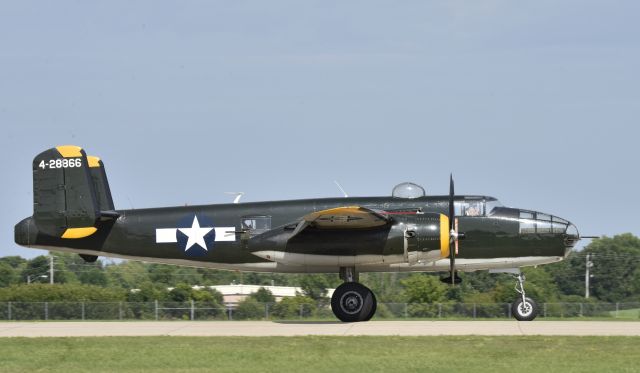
point(527, 223)
point(474, 208)
point(458, 208)
point(256, 224)
point(469, 208)
point(541, 223)
point(544, 223)
point(526, 215)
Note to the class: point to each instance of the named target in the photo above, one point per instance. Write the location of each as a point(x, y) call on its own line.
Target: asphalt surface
point(268, 328)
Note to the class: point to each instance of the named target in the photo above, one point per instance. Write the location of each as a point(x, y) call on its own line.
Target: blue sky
point(536, 104)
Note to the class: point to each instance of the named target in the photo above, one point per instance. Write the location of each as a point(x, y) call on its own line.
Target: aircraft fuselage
point(256, 237)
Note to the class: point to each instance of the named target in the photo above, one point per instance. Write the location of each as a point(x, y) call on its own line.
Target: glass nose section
point(572, 231)
point(532, 222)
point(572, 236)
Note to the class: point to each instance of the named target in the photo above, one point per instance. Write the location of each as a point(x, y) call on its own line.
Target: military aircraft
point(408, 231)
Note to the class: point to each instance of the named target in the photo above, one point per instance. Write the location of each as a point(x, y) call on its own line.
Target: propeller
point(454, 235)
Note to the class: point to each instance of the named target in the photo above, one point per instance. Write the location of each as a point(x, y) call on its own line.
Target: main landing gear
point(523, 308)
point(352, 301)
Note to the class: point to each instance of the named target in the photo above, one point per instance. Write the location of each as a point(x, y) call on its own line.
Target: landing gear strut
point(523, 308)
point(352, 301)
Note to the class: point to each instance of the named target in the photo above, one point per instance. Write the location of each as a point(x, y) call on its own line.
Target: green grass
point(322, 354)
point(633, 313)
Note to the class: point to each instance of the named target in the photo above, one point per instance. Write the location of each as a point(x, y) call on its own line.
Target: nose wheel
point(523, 308)
point(353, 302)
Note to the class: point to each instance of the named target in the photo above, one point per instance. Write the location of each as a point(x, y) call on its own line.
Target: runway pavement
point(268, 328)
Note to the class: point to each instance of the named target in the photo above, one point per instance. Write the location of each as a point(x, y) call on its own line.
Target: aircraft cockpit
point(476, 206)
point(468, 206)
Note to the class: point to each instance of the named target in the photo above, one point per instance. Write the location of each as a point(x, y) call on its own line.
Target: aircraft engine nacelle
point(404, 238)
point(425, 236)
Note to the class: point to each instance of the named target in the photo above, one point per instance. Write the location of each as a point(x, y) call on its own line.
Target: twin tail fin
point(70, 193)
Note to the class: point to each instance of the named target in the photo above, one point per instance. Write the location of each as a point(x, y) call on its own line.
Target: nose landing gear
point(523, 308)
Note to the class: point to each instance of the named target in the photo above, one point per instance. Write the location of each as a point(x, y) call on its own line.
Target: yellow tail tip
point(69, 151)
point(93, 161)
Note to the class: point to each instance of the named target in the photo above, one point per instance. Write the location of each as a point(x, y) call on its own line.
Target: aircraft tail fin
point(68, 196)
point(100, 184)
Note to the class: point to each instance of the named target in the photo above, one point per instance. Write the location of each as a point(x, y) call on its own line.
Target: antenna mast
point(341, 189)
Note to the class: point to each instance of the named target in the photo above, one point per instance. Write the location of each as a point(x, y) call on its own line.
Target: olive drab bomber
point(73, 211)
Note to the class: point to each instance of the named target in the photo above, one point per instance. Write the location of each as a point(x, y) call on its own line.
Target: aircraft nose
point(572, 236)
point(533, 222)
point(572, 231)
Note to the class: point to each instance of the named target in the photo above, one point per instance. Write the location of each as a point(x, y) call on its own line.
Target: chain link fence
point(275, 311)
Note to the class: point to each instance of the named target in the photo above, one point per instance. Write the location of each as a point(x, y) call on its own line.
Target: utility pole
point(587, 276)
point(50, 268)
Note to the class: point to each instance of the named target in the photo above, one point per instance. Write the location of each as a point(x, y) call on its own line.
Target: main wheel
point(352, 302)
point(524, 311)
point(374, 306)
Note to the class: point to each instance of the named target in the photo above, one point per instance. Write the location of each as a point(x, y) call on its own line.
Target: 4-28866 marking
point(61, 163)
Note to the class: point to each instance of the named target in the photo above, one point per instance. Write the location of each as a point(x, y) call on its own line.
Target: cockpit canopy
point(476, 206)
point(408, 190)
point(464, 205)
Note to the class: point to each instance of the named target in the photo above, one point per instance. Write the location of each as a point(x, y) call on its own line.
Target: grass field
point(626, 314)
point(322, 354)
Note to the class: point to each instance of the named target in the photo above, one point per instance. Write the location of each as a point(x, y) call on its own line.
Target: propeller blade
point(452, 251)
point(451, 202)
point(457, 232)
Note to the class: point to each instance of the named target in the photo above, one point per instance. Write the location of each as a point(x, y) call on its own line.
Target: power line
point(36, 268)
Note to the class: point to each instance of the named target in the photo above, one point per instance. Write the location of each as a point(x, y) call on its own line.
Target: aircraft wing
point(348, 217)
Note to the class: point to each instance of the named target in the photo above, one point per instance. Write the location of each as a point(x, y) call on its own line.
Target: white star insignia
point(196, 234)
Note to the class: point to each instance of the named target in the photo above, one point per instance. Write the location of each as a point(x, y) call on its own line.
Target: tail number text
point(61, 163)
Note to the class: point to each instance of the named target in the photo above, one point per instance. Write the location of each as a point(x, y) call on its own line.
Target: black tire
point(524, 312)
point(374, 306)
point(352, 302)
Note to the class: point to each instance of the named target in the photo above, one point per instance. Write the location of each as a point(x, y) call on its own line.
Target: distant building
point(235, 293)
